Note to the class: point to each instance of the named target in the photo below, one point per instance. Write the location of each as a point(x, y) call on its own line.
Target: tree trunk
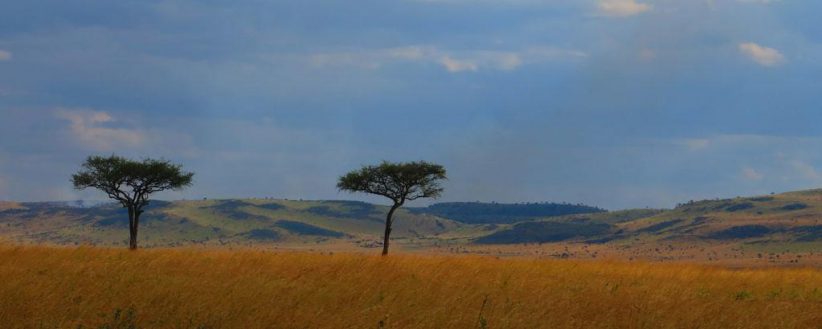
point(133, 220)
point(388, 228)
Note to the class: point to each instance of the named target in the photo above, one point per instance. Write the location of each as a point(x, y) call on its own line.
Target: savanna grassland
point(762, 231)
point(93, 287)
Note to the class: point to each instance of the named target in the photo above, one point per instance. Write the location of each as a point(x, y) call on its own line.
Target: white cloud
point(696, 144)
point(453, 61)
point(622, 8)
point(491, 2)
point(473, 61)
point(764, 2)
point(540, 54)
point(5, 55)
point(503, 60)
point(751, 174)
point(410, 53)
point(371, 59)
point(762, 55)
point(508, 61)
point(805, 170)
point(95, 130)
point(455, 65)
point(724, 142)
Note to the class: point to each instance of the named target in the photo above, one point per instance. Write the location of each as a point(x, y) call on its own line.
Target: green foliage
point(729, 205)
point(809, 233)
point(344, 209)
point(762, 199)
point(740, 206)
point(199, 221)
point(307, 229)
point(621, 216)
point(660, 226)
point(794, 206)
point(742, 232)
point(502, 213)
point(130, 182)
point(538, 232)
point(233, 209)
point(263, 234)
point(399, 182)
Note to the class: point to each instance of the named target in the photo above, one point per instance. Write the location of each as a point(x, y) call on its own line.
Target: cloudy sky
point(614, 103)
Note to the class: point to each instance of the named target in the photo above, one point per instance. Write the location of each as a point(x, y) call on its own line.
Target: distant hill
point(212, 221)
point(790, 220)
point(600, 226)
point(794, 217)
point(502, 213)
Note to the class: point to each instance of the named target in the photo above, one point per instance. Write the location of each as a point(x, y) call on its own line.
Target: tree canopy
point(131, 182)
point(114, 174)
point(399, 182)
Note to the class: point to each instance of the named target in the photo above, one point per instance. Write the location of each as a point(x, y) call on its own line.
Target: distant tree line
point(503, 213)
point(546, 231)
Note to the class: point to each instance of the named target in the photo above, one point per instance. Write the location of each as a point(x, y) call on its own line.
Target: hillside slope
point(214, 222)
point(502, 213)
point(753, 227)
point(788, 218)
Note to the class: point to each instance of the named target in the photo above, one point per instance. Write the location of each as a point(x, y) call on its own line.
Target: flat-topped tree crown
point(131, 182)
point(399, 182)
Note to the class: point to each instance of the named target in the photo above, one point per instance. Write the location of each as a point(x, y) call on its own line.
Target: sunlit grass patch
point(186, 288)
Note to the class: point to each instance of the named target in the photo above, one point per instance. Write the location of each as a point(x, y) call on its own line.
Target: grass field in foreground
point(50, 287)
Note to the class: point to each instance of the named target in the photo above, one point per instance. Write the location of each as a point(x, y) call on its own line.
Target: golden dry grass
point(49, 287)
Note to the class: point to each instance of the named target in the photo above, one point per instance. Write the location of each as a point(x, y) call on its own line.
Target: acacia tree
point(131, 183)
point(399, 182)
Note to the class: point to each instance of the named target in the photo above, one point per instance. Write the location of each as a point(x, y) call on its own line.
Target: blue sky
point(614, 103)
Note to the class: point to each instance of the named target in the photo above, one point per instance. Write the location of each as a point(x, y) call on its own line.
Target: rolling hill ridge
point(791, 219)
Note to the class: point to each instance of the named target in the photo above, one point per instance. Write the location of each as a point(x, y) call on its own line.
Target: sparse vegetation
point(739, 207)
point(345, 209)
point(794, 206)
point(503, 213)
point(262, 234)
point(539, 232)
point(660, 226)
point(701, 232)
point(742, 232)
point(307, 229)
